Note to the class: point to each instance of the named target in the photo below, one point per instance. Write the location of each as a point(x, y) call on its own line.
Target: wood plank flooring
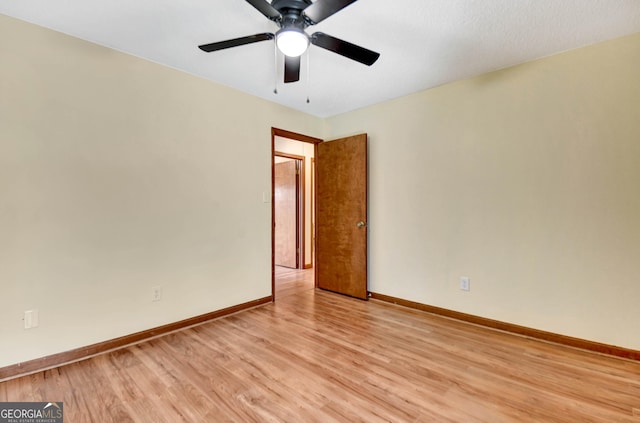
point(313, 356)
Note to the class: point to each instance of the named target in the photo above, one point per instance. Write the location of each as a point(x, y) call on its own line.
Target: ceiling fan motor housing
point(283, 5)
point(291, 11)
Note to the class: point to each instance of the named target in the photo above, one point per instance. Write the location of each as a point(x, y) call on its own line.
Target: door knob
point(361, 224)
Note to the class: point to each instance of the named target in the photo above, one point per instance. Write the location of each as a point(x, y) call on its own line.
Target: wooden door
point(286, 214)
point(341, 216)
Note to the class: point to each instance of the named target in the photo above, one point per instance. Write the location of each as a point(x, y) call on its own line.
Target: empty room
point(463, 230)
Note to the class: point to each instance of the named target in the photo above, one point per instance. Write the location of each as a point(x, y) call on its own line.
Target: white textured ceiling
point(423, 43)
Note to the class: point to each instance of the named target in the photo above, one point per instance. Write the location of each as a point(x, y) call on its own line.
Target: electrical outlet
point(465, 283)
point(30, 319)
point(156, 293)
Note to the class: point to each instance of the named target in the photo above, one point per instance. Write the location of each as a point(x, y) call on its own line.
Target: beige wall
point(527, 180)
point(114, 178)
point(118, 175)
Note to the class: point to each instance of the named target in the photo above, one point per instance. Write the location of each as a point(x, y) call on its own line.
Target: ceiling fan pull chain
point(308, 75)
point(275, 67)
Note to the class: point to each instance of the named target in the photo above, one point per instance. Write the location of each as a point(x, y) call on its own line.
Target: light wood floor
point(314, 356)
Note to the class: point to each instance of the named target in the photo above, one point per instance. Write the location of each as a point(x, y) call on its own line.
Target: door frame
point(300, 205)
point(277, 132)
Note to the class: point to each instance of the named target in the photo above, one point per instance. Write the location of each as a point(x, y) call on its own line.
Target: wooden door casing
point(278, 132)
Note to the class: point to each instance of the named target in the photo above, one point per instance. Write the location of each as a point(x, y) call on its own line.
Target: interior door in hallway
point(286, 214)
point(341, 216)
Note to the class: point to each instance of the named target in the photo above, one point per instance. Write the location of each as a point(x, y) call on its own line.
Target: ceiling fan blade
point(291, 69)
point(221, 45)
point(344, 48)
point(266, 9)
point(322, 9)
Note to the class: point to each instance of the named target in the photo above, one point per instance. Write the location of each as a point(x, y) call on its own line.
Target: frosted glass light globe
point(292, 42)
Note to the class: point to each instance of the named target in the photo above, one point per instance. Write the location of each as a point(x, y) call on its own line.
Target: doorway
point(293, 208)
point(289, 206)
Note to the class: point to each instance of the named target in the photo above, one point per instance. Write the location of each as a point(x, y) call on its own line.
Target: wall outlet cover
point(465, 283)
point(156, 293)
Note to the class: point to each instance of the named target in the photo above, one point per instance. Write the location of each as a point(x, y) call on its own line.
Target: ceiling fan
point(293, 17)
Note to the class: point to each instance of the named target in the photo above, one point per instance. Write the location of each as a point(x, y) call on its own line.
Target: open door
point(287, 214)
point(341, 216)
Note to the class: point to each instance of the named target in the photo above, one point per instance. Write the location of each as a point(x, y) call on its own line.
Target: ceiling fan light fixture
point(292, 42)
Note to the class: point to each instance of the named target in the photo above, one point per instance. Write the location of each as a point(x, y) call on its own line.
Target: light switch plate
point(30, 319)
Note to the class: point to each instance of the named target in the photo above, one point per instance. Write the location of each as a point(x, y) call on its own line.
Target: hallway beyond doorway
point(292, 281)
